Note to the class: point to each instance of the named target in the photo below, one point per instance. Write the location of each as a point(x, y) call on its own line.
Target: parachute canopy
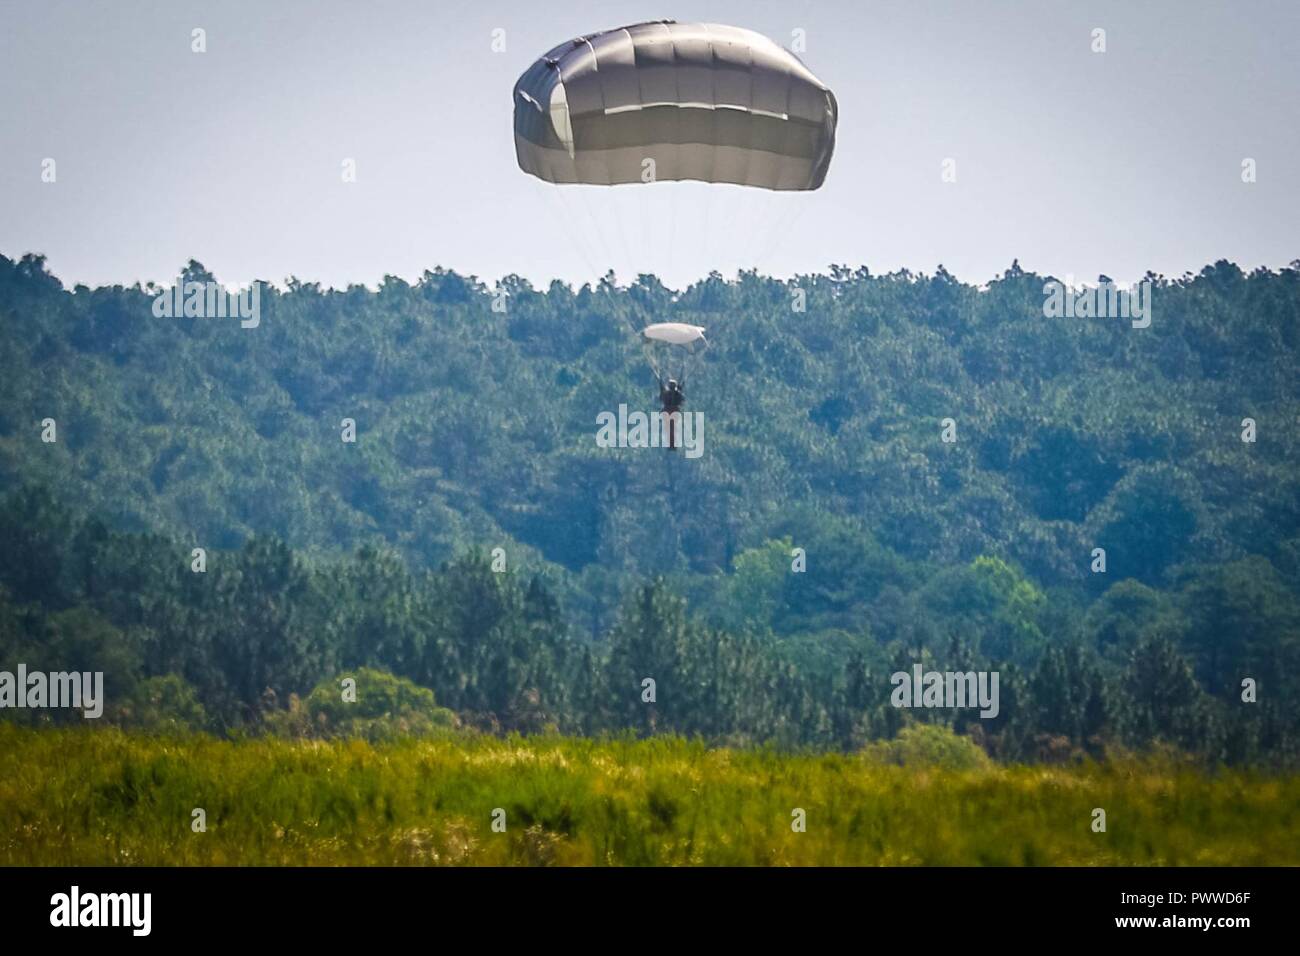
point(675, 333)
point(704, 101)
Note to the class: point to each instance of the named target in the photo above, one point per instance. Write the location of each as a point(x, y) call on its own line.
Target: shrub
point(386, 707)
point(929, 745)
point(159, 705)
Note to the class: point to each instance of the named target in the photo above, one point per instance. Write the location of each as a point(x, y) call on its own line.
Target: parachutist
point(662, 101)
point(668, 338)
point(672, 397)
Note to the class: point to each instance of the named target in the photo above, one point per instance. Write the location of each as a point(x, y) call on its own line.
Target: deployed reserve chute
point(670, 348)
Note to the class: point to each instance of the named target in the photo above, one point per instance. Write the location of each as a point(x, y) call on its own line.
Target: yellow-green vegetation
point(103, 796)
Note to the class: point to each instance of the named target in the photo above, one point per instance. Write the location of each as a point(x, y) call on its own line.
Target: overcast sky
point(1074, 162)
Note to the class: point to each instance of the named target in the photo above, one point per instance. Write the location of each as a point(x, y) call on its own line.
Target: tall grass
point(101, 796)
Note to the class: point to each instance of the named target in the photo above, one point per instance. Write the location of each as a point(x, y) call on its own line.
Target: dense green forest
point(476, 431)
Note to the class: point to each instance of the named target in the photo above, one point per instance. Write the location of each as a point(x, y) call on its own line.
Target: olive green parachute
point(667, 101)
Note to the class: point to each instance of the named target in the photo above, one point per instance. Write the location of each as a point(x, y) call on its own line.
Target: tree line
point(234, 646)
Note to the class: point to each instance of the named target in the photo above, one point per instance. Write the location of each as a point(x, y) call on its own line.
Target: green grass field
point(99, 796)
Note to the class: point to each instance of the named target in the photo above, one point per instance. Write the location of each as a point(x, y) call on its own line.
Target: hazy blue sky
point(1074, 162)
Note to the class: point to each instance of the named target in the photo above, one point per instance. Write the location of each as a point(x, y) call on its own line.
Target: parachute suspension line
point(704, 232)
point(646, 244)
point(673, 191)
point(577, 231)
point(742, 222)
point(619, 232)
point(754, 220)
point(729, 219)
point(695, 359)
point(593, 232)
point(629, 247)
point(726, 227)
point(566, 215)
point(649, 357)
point(768, 212)
point(638, 229)
point(780, 236)
point(716, 226)
point(596, 234)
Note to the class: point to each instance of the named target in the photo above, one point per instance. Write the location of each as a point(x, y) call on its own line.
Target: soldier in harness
point(672, 397)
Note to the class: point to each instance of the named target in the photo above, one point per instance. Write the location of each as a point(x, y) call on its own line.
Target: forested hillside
point(476, 430)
